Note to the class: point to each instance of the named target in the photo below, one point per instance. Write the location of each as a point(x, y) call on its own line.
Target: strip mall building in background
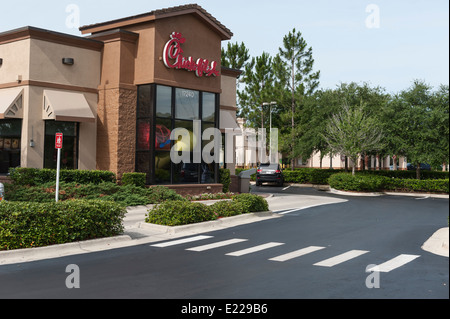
point(116, 93)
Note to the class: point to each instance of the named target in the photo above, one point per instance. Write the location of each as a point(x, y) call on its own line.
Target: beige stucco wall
point(228, 96)
point(40, 64)
point(46, 64)
point(16, 61)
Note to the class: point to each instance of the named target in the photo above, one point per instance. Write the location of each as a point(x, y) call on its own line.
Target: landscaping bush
point(27, 225)
point(308, 175)
point(374, 183)
point(227, 208)
point(365, 183)
point(137, 179)
point(174, 213)
point(159, 194)
point(425, 175)
point(225, 179)
point(129, 195)
point(252, 203)
point(414, 185)
point(34, 176)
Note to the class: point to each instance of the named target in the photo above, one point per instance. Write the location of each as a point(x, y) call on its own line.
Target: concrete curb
point(210, 225)
point(55, 251)
point(438, 243)
point(375, 194)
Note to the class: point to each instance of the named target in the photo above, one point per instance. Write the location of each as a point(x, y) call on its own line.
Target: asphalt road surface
point(361, 248)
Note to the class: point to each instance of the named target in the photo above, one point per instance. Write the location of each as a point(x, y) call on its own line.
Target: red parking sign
point(58, 140)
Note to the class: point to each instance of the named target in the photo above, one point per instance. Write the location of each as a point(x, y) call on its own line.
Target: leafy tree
point(352, 132)
point(420, 124)
point(319, 107)
point(440, 121)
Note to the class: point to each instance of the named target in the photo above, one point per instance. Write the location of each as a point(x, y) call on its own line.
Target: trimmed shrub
point(174, 213)
point(225, 179)
point(27, 225)
point(159, 194)
point(227, 208)
point(365, 183)
point(34, 176)
point(129, 195)
point(424, 175)
point(374, 183)
point(252, 203)
point(414, 185)
point(137, 179)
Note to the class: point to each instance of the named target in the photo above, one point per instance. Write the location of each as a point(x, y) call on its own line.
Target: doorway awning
point(67, 107)
point(11, 103)
point(227, 120)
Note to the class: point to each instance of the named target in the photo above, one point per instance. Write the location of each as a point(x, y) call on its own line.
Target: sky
point(384, 43)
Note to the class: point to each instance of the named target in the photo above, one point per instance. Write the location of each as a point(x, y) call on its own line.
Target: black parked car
point(423, 167)
point(270, 173)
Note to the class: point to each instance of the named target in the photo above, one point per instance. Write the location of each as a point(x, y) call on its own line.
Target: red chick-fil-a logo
point(173, 51)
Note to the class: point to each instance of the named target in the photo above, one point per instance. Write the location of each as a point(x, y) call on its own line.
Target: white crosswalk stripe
point(394, 263)
point(387, 266)
point(297, 253)
point(181, 241)
point(330, 262)
point(217, 245)
point(254, 249)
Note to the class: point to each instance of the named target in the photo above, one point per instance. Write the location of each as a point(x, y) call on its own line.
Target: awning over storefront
point(66, 106)
point(11, 103)
point(227, 120)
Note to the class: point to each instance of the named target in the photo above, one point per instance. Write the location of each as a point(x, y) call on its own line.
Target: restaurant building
point(116, 93)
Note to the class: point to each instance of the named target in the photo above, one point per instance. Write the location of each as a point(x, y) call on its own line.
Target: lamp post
point(270, 125)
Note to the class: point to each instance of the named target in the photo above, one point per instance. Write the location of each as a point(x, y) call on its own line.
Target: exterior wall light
point(68, 61)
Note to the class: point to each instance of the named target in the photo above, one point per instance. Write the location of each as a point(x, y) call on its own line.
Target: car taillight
point(278, 171)
point(259, 170)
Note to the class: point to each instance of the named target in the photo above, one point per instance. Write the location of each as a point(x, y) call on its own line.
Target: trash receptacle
point(244, 180)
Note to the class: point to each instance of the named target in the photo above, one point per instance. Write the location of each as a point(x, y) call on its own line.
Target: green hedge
point(34, 176)
point(175, 213)
point(309, 175)
point(365, 183)
point(227, 208)
point(137, 179)
point(414, 185)
point(225, 179)
point(375, 183)
point(129, 195)
point(425, 175)
point(252, 203)
point(27, 225)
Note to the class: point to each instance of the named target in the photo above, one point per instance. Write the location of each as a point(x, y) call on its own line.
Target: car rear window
point(269, 166)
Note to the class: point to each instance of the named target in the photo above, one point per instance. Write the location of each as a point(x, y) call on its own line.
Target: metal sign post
point(58, 146)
